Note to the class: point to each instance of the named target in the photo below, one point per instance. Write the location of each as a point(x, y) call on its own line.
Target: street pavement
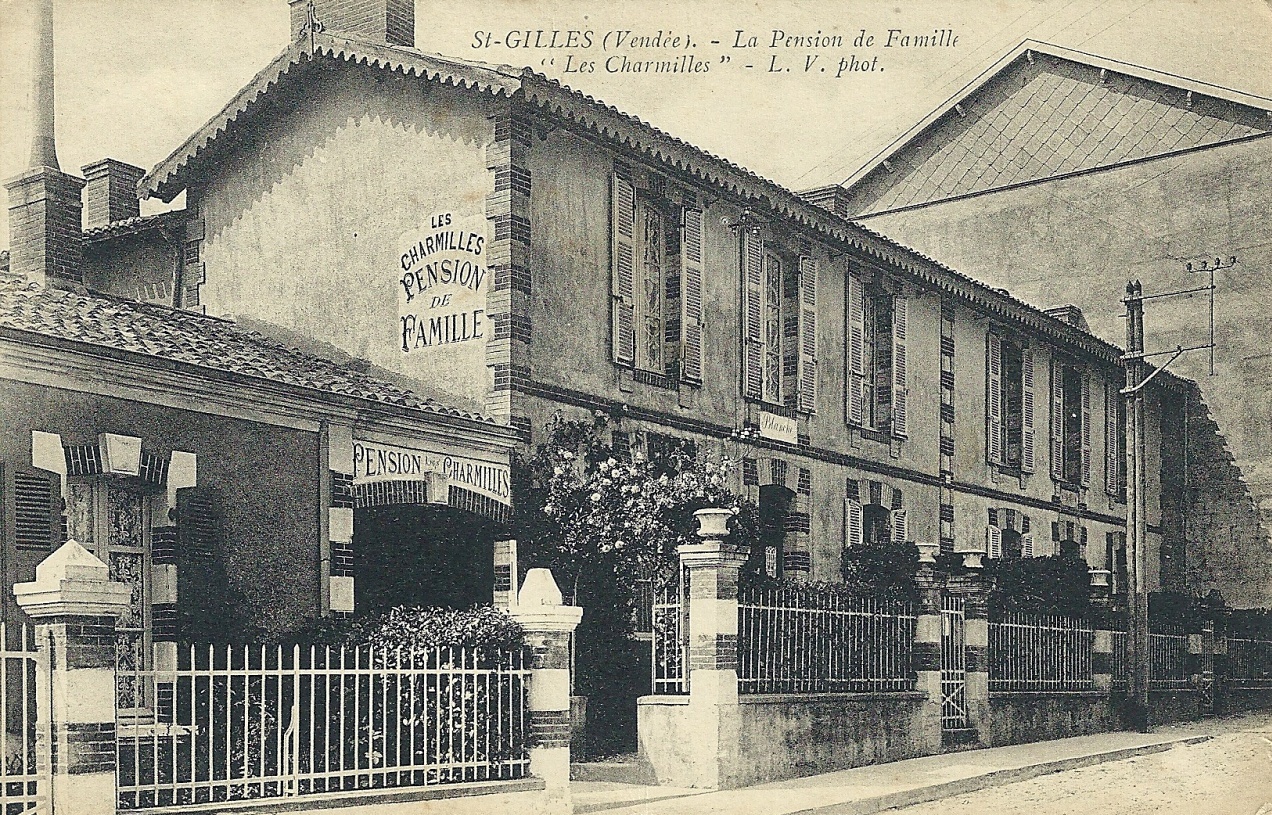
point(1215, 767)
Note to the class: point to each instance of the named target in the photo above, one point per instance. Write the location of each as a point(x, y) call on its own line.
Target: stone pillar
point(336, 559)
point(75, 606)
point(548, 624)
point(712, 568)
point(1102, 632)
point(927, 651)
point(976, 650)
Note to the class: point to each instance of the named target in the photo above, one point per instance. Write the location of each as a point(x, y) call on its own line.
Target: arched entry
point(421, 555)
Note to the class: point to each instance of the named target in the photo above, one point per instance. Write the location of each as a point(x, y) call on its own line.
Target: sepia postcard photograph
point(796, 407)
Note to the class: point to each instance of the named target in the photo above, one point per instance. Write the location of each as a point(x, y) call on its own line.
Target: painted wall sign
point(442, 283)
point(778, 428)
point(379, 462)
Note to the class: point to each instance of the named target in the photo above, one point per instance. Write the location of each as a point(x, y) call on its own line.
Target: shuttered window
point(808, 334)
point(855, 368)
point(994, 434)
point(993, 542)
point(779, 348)
point(691, 298)
point(900, 526)
point(1057, 420)
point(1027, 409)
point(1114, 441)
point(753, 310)
point(36, 511)
point(623, 270)
point(900, 376)
point(854, 523)
point(1085, 461)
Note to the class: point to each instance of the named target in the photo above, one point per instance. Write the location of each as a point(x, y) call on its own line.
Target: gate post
point(927, 653)
point(548, 624)
point(75, 605)
point(976, 645)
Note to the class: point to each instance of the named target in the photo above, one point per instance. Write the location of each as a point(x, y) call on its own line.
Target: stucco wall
point(262, 479)
point(1079, 239)
point(1016, 718)
point(306, 221)
point(139, 267)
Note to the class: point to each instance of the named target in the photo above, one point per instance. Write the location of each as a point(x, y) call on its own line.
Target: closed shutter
point(36, 511)
point(752, 294)
point(900, 526)
point(994, 399)
point(853, 523)
point(1057, 420)
point(691, 296)
point(623, 271)
point(1026, 546)
point(1086, 429)
point(1112, 439)
point(1027, 409)
point(993, 542)
point(808, 334)
point(899, 378)
point(856, 368)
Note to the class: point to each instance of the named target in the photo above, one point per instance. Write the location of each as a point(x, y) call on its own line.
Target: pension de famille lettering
point(443, 279)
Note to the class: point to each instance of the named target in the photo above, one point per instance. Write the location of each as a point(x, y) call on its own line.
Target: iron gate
point(953, 665)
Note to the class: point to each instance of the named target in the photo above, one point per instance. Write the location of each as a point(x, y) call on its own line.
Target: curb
point(997, 778)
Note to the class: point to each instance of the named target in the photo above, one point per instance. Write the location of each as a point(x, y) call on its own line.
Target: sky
point(135, 78)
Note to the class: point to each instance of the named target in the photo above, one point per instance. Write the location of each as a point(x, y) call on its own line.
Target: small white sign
point(121, 455)
point(778, 428)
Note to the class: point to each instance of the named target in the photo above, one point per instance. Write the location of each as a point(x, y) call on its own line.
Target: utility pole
point(1136, 523)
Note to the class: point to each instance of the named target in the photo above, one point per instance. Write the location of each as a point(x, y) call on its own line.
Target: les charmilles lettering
point(444, 279)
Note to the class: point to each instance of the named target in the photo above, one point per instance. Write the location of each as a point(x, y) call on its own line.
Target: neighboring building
point(1059, 175)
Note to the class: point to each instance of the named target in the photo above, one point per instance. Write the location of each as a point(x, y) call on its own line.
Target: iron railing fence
point(1250, 662)
point(1040, 653)
point(809, 640)
point(1167, 659)
point(231, 723)
point(670, 640)
point(23, 784)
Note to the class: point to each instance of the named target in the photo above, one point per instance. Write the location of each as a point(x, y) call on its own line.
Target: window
point(768, 556)
point(870, 524)
point(779, 348)
point(1009, 403)
point(656, 280)
point(1114, 441)
point(876, 359)
point(1070, 424)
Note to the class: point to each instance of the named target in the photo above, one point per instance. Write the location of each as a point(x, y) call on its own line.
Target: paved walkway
point(901, 783)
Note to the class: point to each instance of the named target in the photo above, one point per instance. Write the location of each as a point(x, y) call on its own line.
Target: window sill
point(655, 379)
point(776, 409)
point(881, 436)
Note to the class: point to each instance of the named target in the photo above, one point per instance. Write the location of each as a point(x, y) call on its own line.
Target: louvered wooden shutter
point(994, 399)
point(623, 270)
point(808, 334)
point(900, 394)
point(993, 542)
point(1086, 430)
point(691, 296)
point(197, 528)
point(1057, 420)
point(1112, 439)
point(36, 511)
point(752, 301)
point(856, 367)
point(854, 523)
point(1026, 546)
point(900, 526)
point(1027, 409)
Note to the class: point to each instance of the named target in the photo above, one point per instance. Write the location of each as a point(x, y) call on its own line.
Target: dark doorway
point(421, 556)
point(775, 506)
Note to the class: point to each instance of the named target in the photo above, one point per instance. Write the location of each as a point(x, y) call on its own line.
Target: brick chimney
point(110, 192)
point(44, 202)
point(388, 21)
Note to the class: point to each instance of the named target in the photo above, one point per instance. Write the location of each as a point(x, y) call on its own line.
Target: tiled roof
point(194, 339)
point(130, 226)
point(1046, 112)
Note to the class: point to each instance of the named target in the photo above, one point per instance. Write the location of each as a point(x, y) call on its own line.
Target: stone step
point(623, 769)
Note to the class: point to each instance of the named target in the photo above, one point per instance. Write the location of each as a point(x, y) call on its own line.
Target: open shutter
point(853, 523)
point(808, 334)
point(900, 526)
point(1057, 421)
point(37, 512)
point(899, 378)
point(691, 296)
point(1026, 546)
point(856, 368)
point(993, 542)
point(752, 294)
point(994, 399)
point(1112, 439)
point(1086, 429)
point(623, 270)
point(1027, 409)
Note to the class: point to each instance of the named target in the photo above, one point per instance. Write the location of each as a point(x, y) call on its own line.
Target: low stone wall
point(1020, 717)
point(772, 737)
point(1235, 700)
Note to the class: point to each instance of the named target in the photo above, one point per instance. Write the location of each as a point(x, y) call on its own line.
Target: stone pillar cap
point(72, 581)
point(539, 605)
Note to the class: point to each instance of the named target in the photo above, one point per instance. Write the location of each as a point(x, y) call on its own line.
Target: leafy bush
point(483, 628)
point(1042, 585)
point(881, 570)
point(1250, 623)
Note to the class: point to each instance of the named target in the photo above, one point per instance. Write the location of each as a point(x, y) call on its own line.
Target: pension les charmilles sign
point(442, 283)
point(381, 462)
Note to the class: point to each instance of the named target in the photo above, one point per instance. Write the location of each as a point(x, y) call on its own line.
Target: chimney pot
point(391, 22)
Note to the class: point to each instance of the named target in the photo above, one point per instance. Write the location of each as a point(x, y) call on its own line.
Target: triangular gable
point(1046, 112)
